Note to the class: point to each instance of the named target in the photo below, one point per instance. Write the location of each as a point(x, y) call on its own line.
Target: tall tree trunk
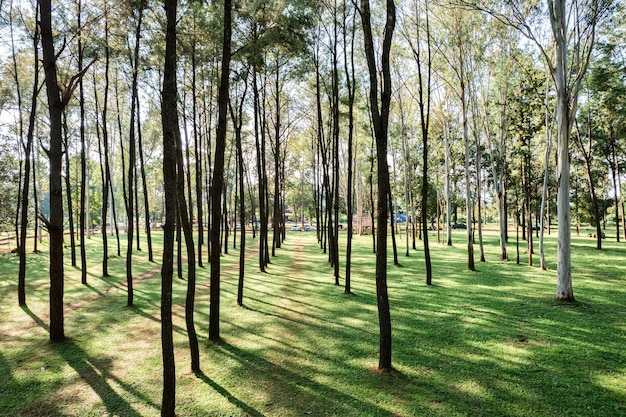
point(424, 105)
point(335, 146)
point(372, 206)
point(446, 136)
point(277, 215)
point(350, 84)
point(237, 118)
point(478, 159)
point(28, 151)
point(565, 111)
point(614, 168)
point(37, 234)
point(380, 120)
point(218, 176)
point(197, 140)
point(183, 218)
point(105, 183)
point(392, 223)
point(55, 155)
point(587, 155)
point(84, 185)
point(468, 190)
point(479, 218)
point(68, 188)
point(130, 201)
point(527, 211)
point(260, 170)
point(144, 187)
point(171, 132)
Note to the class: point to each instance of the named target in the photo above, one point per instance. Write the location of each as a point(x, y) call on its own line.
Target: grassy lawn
point(488, 343)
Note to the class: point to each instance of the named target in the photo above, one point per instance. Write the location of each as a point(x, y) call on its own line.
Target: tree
point(83, 152)
point(380, 106)
point(131, 177)
point(56, 103)
point(218, 175)
point(607, 85)
point(585, 141)
point(573, 29)
point(171, 133)
point(351, 86)
point(424, 100)
point(28, 150)
point(236, 113)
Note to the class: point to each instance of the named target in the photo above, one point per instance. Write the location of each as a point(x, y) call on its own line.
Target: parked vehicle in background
point(307, 227)
point(295, 228)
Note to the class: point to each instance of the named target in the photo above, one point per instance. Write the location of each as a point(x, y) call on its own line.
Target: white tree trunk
point(564, 290)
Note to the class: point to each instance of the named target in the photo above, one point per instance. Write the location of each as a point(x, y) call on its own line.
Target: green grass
point(488, 343)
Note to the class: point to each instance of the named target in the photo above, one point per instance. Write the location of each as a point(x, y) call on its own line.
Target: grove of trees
point(209, 121)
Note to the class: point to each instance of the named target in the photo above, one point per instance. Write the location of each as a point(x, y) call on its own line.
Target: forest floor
point(493, 342)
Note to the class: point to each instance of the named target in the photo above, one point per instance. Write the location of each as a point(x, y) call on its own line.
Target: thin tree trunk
point(28, 151)
point(351, 86)
point(446, 136)
point(183, 218)
point(37, 234)
point(218, 176)
point(468, 193)
point(394, 246)
point(83, 156)
point(105, 184)
point(587, 155)
point(130, 200)
point(197, 140)
point(371, 181)
point(68, 189)
point(614, 168)
point(144, 185)
point(237, 118)
point(260, 170)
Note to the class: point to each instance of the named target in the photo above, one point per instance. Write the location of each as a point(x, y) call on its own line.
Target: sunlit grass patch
point(487, 343)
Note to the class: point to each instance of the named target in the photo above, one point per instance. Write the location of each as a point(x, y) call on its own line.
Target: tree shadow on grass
point(35, 318)
point(23, 396)
point(230, 397)
point(293, 389)
point(96, 373)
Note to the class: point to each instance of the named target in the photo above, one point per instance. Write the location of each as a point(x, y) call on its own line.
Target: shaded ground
point(490, 343)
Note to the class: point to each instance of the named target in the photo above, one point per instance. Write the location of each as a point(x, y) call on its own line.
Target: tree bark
point(380, 121)
point(237, 118)
point(28, 151)
point(564, 289)
point(55, 155)
point(68, 187)
point(446, 136)
point(183, 218)
point(84, 185)
point(171, 132)
point(218, 176)
point(351, 87)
